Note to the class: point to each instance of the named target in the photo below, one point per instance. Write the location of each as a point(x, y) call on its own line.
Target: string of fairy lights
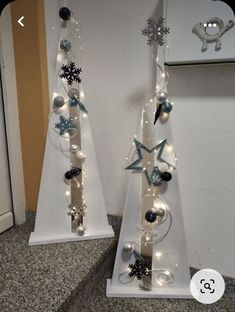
point(70, 110)
point(159, 107)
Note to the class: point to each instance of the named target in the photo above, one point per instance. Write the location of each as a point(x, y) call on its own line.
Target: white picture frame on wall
point(185, 43)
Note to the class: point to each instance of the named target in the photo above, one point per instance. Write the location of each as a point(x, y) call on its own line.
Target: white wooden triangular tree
point(71, 204)
point(151, 259)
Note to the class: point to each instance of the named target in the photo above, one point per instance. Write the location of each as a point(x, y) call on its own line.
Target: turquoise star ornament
point(155, 176)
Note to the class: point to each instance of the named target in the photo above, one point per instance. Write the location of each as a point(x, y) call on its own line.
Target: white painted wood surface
point(172, 248)
point(183, 45)
point(53, 224)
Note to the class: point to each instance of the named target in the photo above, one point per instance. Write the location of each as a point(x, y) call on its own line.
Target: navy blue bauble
point(150, 216)
point(65, 45)
point(166, 176)
point(166, 107)
point(68, 175)
point(65, 13)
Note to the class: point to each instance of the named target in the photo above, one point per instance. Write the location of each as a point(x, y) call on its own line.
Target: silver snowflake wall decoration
point(156, 31)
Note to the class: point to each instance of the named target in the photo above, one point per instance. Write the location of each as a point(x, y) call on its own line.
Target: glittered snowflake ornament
point(139, 269)
point(77, 211)
point(71, 73)
point(156, 31)
point(66, 125)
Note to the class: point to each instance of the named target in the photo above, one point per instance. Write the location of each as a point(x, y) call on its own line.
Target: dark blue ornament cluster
point(150, 216)
point(139, 269)
point(166, 107)
point(75, 102)
point(75, 171)
point(65, 13)
point(166, 176)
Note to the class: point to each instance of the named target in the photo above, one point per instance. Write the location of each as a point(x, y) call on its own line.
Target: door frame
point(10, 103)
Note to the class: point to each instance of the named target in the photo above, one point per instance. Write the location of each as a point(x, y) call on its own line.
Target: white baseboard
point(6, 221)
point(41, 240)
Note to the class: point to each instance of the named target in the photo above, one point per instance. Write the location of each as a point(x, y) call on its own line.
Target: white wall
point(118, 77)
point(204, 135)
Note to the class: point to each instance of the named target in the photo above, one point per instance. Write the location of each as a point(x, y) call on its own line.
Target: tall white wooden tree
point(71, 205)
point(151, 259)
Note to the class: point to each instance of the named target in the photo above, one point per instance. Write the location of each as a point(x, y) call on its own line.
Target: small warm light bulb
point(163, 75)
point(135, 136)
point(55, 94)
point(59, 57)
point(170, 148)
point(67, 193)
point(147, 238)
point(82, 94)
point(151, 101)
point(146, 121)
point(84, 115)
point(158, 255)
point(144, 168)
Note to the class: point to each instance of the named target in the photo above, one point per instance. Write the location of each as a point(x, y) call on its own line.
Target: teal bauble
point(73, 102)
point(65, 45)
point(166, 107)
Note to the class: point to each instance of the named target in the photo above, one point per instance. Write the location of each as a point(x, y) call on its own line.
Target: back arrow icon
point(20, 21)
